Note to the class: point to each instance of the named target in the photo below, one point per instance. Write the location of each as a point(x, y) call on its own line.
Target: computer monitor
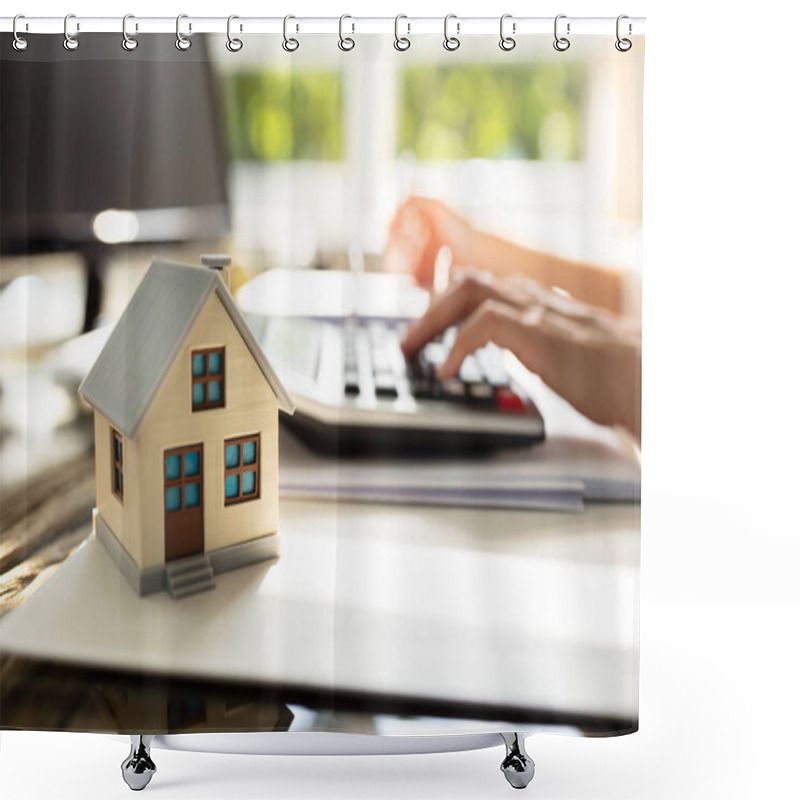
point(100, 147)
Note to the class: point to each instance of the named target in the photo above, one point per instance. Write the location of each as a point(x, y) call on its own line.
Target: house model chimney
point(219, 262)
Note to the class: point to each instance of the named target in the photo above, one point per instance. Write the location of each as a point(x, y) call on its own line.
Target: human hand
point(419, 230)
point(590, 357)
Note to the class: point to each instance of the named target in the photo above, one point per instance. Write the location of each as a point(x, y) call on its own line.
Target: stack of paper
point(578, 462)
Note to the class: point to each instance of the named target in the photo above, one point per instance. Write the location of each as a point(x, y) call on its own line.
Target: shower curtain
point(476, 569)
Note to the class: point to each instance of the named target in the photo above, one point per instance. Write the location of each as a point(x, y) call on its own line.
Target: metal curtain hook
point(451, 42)
point(346, 42)
point(181, 42)
point(623, 45)
point(289, 44)
point(233, 44)
point(401, 43)
point(128, 42)
point(70, 42)
point(507, 42)
point(561, 43)
point(20, 42)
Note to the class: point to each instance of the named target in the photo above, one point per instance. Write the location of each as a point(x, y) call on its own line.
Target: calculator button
point(509, 400)
point(351, 387)
point(453, 389)
point(385, 385)
point(481, 393)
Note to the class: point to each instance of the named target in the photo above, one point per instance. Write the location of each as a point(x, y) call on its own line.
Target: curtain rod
point(407, 26)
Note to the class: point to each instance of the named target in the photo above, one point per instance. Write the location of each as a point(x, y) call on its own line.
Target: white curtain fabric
point(420, 594)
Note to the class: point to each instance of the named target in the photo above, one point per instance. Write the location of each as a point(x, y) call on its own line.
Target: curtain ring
point(233, 44)
point(128, 42)
point(623, 45)
point(561, 43)
point(507, 43)
point(289, 44)
point(181, 41)
point(451, 43)
point(401, 43)
point(20, 42)
point(70, 42)
point(346, 43)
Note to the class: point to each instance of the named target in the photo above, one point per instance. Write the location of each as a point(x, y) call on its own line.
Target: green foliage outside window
point(527, 111)
point(274, 115)
point(492, 111)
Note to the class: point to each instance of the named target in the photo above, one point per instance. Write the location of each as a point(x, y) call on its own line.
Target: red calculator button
point(508, 400)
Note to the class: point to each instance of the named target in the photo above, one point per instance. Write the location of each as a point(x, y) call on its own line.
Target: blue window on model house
point(242, 474)
point(208, 378)
point(116, 463)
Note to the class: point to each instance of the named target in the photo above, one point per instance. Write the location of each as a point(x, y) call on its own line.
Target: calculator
point(356, 393)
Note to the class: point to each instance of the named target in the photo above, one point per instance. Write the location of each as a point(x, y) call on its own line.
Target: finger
point(458, 301)
point(492, 322)
point(471, 288)
point(524, 293)
point(576, 310)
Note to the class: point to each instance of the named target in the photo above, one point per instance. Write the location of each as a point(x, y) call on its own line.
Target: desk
point(474, 619)
point(487, 615)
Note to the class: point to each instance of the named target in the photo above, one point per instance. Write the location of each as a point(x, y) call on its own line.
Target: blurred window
point(492, 111)
point(276, 115)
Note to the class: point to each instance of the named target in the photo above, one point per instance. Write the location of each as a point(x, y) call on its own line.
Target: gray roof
point(124, 380)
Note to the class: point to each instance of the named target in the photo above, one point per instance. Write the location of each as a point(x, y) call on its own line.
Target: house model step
point(190, 575)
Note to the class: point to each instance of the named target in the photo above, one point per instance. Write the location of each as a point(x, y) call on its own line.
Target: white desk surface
point(516, 609)
point(484, 607)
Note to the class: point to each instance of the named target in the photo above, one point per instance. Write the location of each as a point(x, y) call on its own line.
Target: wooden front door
point(183, 501)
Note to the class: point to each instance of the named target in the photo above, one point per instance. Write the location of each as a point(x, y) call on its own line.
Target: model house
point(186, 434)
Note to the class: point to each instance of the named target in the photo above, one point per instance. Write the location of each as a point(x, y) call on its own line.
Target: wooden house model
point(186, 434)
